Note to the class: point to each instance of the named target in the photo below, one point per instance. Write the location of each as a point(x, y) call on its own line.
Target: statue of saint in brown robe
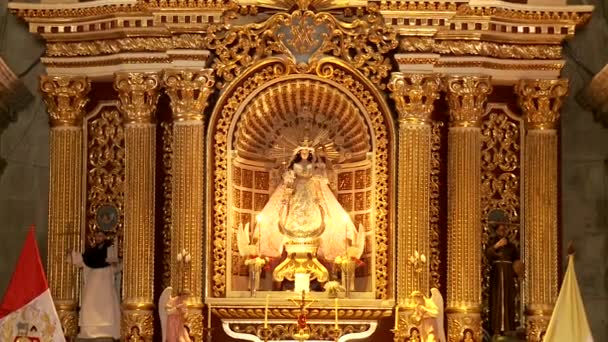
point(502, 254)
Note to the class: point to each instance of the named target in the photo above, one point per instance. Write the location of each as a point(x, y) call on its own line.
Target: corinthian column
point(189, 91)
point(466, 99)
point(65, 98)
point(540, 101)
point(414, 95)
point(138, 94)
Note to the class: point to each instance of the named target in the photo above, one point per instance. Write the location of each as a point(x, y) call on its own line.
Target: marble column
point(414, 95)
point(540, 101)
point(189, 91)
point(138, 95)
point(65, 98)
point(466, 97)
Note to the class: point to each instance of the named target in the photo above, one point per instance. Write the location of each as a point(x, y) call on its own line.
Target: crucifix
point(302, 302)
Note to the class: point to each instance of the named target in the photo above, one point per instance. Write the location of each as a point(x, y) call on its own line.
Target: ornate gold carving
point(292, 313)
point(500, 180)
point(461, 322)
point(271, 70)
point(541, 101)
point(535, 326)
point(194, 322)
point(137, 325)
point(501, 66)
point(417, 6)
point(414, 95)
point(467, 97)
point(138, 94)
point(69, 322)
point(167, 141)
point(479, 48)
point(105, 169)
point(361, 43)
point(435, 252)
point(189, 91)
point(111, 46)
point(68, 12)
point(275, 114)
point(282, 332)
point(575, 18)
point(65, 98)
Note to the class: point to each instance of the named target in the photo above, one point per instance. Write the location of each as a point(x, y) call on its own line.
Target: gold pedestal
point(301, 258)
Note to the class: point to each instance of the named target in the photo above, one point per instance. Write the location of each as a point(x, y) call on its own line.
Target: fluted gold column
point(189, 91)
point(65, 98)
point(466, 99)
point(540, 101)
point(138, 94)
point(414, 95)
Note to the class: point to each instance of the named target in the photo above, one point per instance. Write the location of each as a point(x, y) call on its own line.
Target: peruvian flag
point(27, 312)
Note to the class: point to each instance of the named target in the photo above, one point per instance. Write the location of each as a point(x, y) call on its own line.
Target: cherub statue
point(172, 311)
point(429, 315)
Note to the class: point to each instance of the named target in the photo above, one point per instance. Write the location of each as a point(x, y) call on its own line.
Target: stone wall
point(24, 183)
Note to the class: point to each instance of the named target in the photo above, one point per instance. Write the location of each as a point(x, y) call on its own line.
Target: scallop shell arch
point(291, 113)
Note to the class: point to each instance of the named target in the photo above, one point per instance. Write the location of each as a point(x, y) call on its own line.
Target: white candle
point(336, 305)
point(266, 312)
point(208, 317)
point(397, 317)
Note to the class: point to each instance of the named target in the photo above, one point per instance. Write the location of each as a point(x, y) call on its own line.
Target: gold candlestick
point(266, 312)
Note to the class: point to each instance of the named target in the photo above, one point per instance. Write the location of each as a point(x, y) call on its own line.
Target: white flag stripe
point(38, 318)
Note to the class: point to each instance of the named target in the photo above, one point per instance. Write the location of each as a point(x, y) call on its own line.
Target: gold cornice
point(293, 313)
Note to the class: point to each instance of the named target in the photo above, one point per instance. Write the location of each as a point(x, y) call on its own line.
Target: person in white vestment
point(99, 300)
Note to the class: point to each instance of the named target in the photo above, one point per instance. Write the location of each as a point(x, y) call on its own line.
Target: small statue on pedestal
point(172, 311)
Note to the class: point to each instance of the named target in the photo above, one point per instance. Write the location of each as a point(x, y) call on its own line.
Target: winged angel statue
point(172, 311)
point(428, 315)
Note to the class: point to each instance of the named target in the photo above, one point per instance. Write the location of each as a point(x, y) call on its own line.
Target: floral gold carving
point(65, 98)
point(137, 326)
point(167, 139)
point(414, 95)
point(138, 94)
point(459, 322)
point(194, 322)
point(535, 326)
point(189, 91)
point(480, 48)
point(105, 169)
point(466, 98)
point(69, 322)
point(283, 332)
point(292, 313)
point(435, 251)
point(361, 43)
point(541, 101)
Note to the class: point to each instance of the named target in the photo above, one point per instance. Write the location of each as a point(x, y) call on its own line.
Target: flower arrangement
point(333, 288)
point(258, 262)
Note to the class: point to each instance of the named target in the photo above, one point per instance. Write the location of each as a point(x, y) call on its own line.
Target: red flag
point(27, 308)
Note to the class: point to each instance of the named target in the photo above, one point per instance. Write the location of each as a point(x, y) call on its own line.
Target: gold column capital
point(65, 98)
point(138, 93)
point(414, 95)
point(189, 90)
point(466, 97)
point(541, 101)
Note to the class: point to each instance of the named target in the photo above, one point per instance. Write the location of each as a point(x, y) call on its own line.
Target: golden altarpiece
point(175, 121)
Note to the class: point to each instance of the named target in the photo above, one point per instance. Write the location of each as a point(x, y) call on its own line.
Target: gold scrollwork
point(479, 48)
point(106, 169)
point(69, 322)
point(194, 322)
point(536, 325)
point(361, 43)
point(188, 90)
point(462, 323)
point(414, 95)
point(541, 101)
point(435, 255)
point(65, 98)
point(138, 94)
point(318, 332)
point(137, 326)
point(467, 97)
point(293, 313)
point(167, 161)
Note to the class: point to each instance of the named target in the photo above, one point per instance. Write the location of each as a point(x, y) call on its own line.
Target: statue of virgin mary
point(303, 208)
